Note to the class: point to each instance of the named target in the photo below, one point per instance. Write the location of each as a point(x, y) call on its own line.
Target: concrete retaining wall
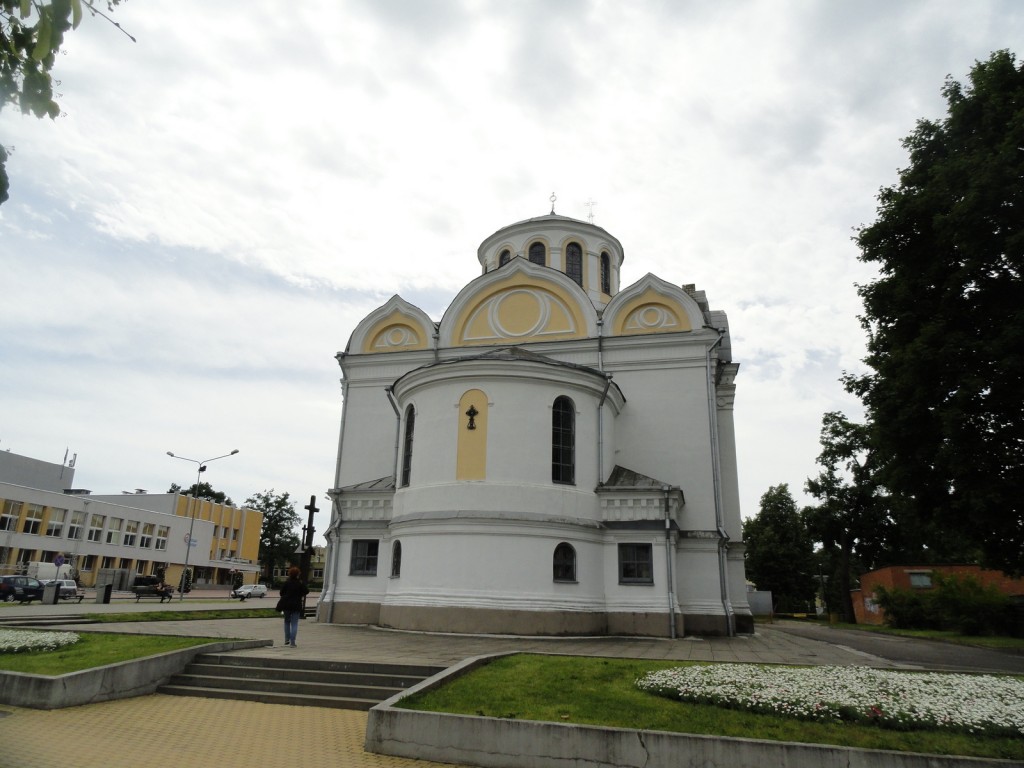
point(500, 743)
point(114, 681)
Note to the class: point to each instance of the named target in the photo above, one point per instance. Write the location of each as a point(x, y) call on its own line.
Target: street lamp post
point(192, 507)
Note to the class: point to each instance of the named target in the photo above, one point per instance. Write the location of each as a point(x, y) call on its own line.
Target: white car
point(68, 589)
point(250, 590)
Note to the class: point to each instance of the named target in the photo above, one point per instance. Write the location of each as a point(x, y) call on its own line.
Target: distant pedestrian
point(290, 604)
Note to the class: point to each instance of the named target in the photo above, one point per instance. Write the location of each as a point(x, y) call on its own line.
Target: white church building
point(555, 456)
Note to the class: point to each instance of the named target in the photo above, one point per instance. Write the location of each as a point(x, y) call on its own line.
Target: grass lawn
point(96, 650)
point(1002, 642)
point(169, 614)
point(598, 691)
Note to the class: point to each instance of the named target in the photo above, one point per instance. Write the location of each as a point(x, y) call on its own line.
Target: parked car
point(250, 590)
point(24, 589)
point(68, 589)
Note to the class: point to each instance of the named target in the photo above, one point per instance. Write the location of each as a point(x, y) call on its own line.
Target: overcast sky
point(187, 248)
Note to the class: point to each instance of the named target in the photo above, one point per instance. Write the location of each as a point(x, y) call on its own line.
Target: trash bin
point(103, 592)
point(51, 593)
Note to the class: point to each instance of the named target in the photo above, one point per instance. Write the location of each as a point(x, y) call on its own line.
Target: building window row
point(563, 442)
point(635, 566)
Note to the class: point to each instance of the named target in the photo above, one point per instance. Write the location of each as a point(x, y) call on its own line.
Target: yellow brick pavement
point(186, 732)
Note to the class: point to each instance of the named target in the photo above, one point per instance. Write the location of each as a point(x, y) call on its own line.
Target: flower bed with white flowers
point(18, 640)
point(977, 704)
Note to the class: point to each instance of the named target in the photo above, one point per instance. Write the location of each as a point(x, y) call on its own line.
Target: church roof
point(628, 478)
point(514, 354)
point(380, 484)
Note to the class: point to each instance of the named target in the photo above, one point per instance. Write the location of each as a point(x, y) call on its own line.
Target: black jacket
point(291, 595)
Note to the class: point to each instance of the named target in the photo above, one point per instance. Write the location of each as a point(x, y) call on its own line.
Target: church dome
point(585, 252)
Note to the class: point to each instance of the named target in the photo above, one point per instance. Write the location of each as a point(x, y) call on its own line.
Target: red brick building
point(920, 577)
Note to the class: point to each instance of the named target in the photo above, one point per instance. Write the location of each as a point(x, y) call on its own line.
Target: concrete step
point(394, 681)
point(44, 621)
point(302, 682)
point(265, 697)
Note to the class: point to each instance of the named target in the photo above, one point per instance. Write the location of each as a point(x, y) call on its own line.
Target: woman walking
point(291, 605)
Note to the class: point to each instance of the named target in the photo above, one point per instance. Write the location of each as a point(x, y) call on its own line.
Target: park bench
point(152, 591)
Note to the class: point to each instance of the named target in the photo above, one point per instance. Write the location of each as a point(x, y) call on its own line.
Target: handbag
point(280, 606)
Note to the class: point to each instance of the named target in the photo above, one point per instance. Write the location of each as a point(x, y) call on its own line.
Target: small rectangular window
point(12, 511)
point(114, 530)
point(636, 564)
point(55, 525)
point(33, 519)
point(96, 527)
point(921, 579)
point(364, 557)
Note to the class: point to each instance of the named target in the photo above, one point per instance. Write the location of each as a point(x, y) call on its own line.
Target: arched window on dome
point(563, 441)
point(564, 563)
point(574, 263)
point(396, 560)
point(410, 427)
point(606, 273)
point(538, 254)
point(504, 258)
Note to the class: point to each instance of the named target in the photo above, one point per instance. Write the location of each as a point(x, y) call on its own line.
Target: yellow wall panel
point(471, 463)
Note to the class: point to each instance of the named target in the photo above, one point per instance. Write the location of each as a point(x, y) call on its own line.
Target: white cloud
point(185, 251)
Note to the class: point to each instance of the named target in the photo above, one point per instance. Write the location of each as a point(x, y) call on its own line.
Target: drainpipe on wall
point(600, 405)
point(398, 429)
point(335, 506)
point(333, 542)
point(668, 567)
point(600, 430)
point(716, 471)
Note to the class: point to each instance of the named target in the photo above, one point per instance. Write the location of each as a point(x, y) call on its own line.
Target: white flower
point(972, 703)
point(18, 640)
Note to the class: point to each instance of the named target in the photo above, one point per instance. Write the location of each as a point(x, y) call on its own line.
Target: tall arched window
point(538, 254)
point(563, 441)
point(606, 273)
point(564, 563)
point(574, 263)
point(410, 427)
point(504, 258)
point(396, 560)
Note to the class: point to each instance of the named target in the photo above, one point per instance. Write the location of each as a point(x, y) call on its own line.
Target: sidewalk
point(184, 732)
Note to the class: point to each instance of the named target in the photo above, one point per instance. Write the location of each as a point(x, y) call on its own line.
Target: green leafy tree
point(202, 491)
point(851, 520)
point(945, 320)
point(779, 555)
point(31, 35)
point(278, 540)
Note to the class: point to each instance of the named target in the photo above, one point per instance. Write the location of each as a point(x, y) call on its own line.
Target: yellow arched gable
point(651, 312)
point(519, 310)
point(394, 333)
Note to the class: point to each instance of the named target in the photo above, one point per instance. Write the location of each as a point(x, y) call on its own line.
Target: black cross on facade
point(472, 413)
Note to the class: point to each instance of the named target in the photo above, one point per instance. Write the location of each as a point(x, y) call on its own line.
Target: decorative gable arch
point(396, 326)
point(521, 303)
point(651, 305)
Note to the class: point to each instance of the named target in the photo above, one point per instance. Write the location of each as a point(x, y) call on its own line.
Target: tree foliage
point(945, 319)
point(202, 491)
point(850, 521)
point(31, 35)
point(779, 555)
point(278, 540)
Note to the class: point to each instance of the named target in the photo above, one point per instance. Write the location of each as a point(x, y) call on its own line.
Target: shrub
point(970, 607)
point(959, 603)
point(908, 609)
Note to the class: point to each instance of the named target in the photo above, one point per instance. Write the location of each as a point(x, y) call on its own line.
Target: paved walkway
point(181, 732)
